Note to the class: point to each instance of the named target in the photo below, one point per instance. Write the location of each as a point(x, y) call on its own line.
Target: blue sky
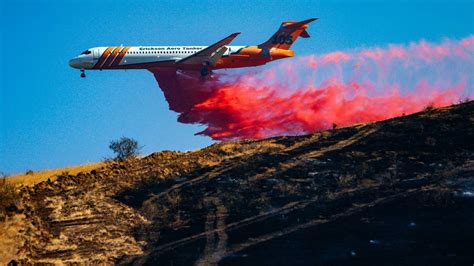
point(52, 118)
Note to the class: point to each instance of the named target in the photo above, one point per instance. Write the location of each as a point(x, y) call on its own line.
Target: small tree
point(124, 148)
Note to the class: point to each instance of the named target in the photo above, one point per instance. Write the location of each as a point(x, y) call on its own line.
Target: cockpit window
point(86, 52)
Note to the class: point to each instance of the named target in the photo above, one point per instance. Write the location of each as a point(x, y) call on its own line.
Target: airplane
point(194, 58)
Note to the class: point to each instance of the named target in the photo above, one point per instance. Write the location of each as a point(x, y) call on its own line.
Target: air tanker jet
point(194, 58)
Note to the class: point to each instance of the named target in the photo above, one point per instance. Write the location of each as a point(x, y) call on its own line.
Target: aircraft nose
point(75, 63)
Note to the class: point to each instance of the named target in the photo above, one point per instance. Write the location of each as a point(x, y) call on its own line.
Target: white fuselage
point(136, 57)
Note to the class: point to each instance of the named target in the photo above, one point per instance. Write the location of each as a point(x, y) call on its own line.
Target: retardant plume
point(315, 92)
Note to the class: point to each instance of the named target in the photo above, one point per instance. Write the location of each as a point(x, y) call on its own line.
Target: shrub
point(429, 107)
point(464, 100)
point(124, 148)
point(8, 197)
point(64, 174)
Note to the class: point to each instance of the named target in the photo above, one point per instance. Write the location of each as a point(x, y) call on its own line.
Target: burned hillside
point(400, 191)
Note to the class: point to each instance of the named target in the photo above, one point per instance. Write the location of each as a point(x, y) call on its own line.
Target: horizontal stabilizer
point(304, 34)
point(295, 25)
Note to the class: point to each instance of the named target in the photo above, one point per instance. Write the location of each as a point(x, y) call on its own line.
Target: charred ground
point(396, 192)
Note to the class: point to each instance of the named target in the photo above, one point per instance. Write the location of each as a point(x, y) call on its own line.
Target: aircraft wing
point(209, 54)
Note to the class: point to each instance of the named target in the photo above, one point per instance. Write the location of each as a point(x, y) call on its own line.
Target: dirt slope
point(395, 192)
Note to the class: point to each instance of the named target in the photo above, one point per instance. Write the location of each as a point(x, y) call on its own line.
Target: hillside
point(31, 178)
point(395, 192)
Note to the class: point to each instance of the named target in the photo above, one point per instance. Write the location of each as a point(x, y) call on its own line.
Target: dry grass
point(36, 177)
point(8, 197)
point(10, 241)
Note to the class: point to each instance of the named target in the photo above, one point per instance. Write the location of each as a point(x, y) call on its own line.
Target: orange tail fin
point(287, 34)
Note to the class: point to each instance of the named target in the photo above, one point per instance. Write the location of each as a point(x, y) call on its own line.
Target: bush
point(464, 100)
point(124, 148)
point(64, 174)
point(429, 107)
point(8, 197)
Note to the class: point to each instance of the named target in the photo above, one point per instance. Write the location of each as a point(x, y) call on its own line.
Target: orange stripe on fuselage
point(120, 56)
point(113, 54)
point(102, 58)
point(117, 54)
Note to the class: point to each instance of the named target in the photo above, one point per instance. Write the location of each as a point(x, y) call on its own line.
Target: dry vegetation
point(271, 196)
point(31, 178)
point(8, 198)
